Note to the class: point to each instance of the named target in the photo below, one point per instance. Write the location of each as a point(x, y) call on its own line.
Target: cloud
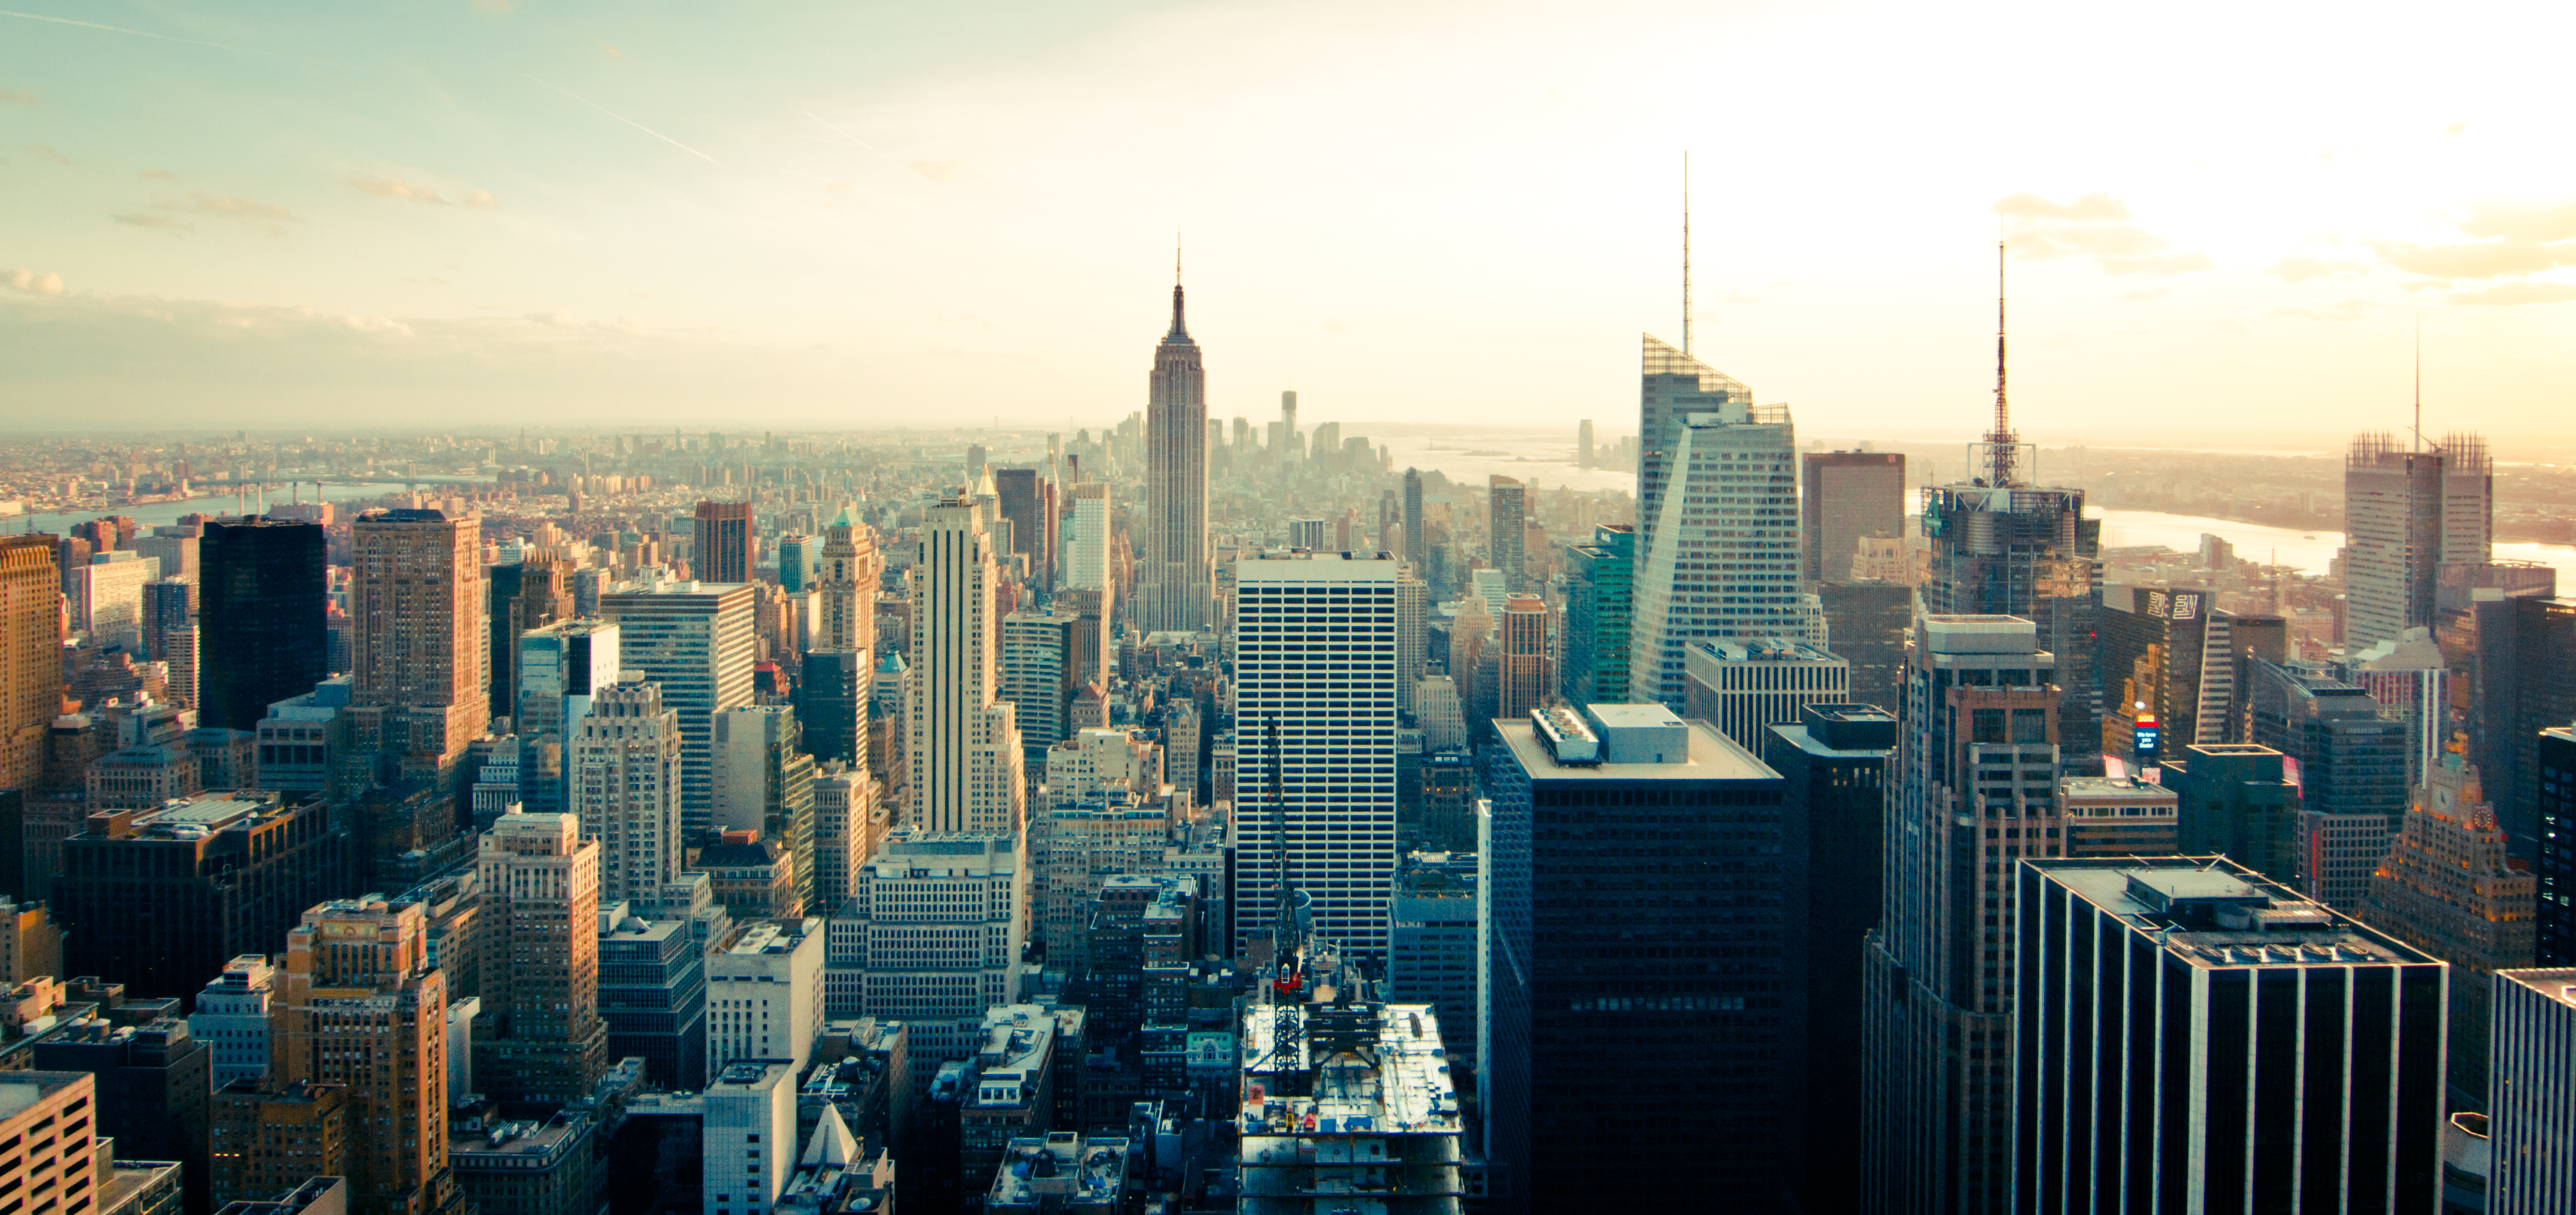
point(225, 206)
point(2347, 310)
point(2144, 294)
point(479, 200)
point(2299, 268)
point(396, 187)
point(2517, 293)
point(2097, 226)
point(950, 171)
point(49, 154)
point(2478, 259)
point(20, 97)
point(147, 219)
point(2524, 221)
point(48, 283)
point(158, 175)
point(613, 52)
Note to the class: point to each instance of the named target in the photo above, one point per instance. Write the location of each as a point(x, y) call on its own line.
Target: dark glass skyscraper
point(1848, 496)
point(1600, 609)
point(1414, 543)
point(262, 599)
point(2553, 782)
point(1642, 979)
point(721, 551)
point(1028, 501)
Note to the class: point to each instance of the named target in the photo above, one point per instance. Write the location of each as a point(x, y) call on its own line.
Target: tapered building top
point(1180, 334)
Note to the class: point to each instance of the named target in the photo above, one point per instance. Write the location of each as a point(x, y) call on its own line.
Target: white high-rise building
point(2408, 511)
point(1315, 656)
point(748, 1146)
point(696, 640)
point(1086, 539)
point(624, 770)
point(1412, 625)
point(963, 739)
point(765, 993)
point(1721, 562)
point(932, 937)
point(1103, 758)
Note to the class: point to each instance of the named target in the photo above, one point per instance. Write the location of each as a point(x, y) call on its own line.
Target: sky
point(2227, 221)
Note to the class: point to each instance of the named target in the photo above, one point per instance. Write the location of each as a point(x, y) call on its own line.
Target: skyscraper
point(31, 656)
point(2408, 512)
point(2237, 800)
point(963, 738)
point(695, 639)
point(1528, 666)
point(170, 634)
point(847, 578)
point(1028, 501)
point(832, 704)
point(1718, 523)
point(1086, 539)
point(1600, 614)
point(1414, 543)
point(262, 600)
point(622, 763)
point(1660, 920)
point(1315, 715)
point(1175, 590)
point(764, 782)
point(2553, 776)
point(1847, 496)
point(418, 598)
point(2445, 888)
point(721, 551)
point(1971, 788)
point(2533, 1122)
point(539, 1037)
point(520, 595)
point(362, 1007)
point(2192, 1036)
point(1507, 507)
point(1042, 665)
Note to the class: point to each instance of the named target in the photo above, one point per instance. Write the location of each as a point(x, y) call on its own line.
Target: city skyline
point(499, 228)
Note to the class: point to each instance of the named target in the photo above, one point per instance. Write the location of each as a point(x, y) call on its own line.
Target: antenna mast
point(1686, 286)
point(2002, 441)
point(2419, 381)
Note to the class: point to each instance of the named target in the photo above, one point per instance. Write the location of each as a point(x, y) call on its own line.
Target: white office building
point(232, 1020)
point(932, 937)
point(1746, 687)
point(1086, 540)
point(624, 769)
point(696, 640)
point(747, 1144)
point(963, 739)
point(1315, 670)
point(765, 994)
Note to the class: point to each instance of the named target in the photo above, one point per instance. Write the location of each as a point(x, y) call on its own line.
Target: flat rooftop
point(1713, 756)
point(2213, 913)
point(1399, 1085)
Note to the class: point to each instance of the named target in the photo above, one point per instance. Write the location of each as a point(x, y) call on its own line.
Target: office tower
point(521, 595)
point(623, 769)
point(1507, 503)
point(2542, 696)
point(2553, 779)
point(799, 562)
point(695, 640)
point(1847, 496)
point(2534, 1124)
point(1718, 558)
point(2351, 770)
point(764, 783)
point(2407, 512)
point(2193, 1035)
point(1306, 534)
point(847, 578)
point(748, 1146)
point(1443, 716)
point(2237, 800)
point(31, 661)
point(1573, 967)
point(107, 598)
point(846, 826)
point(1434, 936)
point(2477, 626)
point(1745, 688)
point(1600, 610)
point(540, 1036)
point(721, 551)
point(175, 547)
point(2170, 653)
point(1528, 656)
point(1415, 543)
point(267, 1141)
point(363, 1008)
point(1583, 444)
point(1308, 1059)
point(169, 630)
point(1867, 623)
point(653, 997)
point(162, 899)
point(1315, 725)
point(1086, 539)
point(1085, 837)
point(2445, 888)
point(1028, 501)
point(765, 993)
point(232, 1020)
point(1174, 589)
point(962, 738)
point(832, 690)
point(933, 936)
point(1972, 788)
point(58, 1169)
point(261, 603)
point(1289, 443)
point(1833, 761)
point(2118, 816)
point(528, 1167)
point(560, 666)
point(1041, 666)
point(418, 598)
point(2410, 678)
point(1014, 1090)
point(150, 1081)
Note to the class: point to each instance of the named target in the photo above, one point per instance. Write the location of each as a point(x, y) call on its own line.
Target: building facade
point(1846, 497)
point(2408, 512)
point(696, 641)
point(1175, 589)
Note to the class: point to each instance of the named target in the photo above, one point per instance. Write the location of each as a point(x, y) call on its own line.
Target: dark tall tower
point(262, 598)
point(1848, 496)
point(1175, 584)
point(520, 597)
point(722, 551)
point(1508, 531)
point(1414, 546)
point(1028, 501)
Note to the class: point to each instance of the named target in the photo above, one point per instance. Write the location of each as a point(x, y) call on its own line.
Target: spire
point(2419, 381)
point(2002, 441)
point(1180, 332)
point(1686, 284)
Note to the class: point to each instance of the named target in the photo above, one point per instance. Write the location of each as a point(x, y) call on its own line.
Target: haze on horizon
point(2226, 221)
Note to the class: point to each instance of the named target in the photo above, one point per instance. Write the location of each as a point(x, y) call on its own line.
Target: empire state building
point(1175, 591)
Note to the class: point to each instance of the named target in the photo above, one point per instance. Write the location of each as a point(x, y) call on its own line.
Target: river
point(2310, 551)
point(157, 514)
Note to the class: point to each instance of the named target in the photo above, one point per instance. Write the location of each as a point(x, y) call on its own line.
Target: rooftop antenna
point(2002, 441)
point(1686, 286)
point(2419, 381)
